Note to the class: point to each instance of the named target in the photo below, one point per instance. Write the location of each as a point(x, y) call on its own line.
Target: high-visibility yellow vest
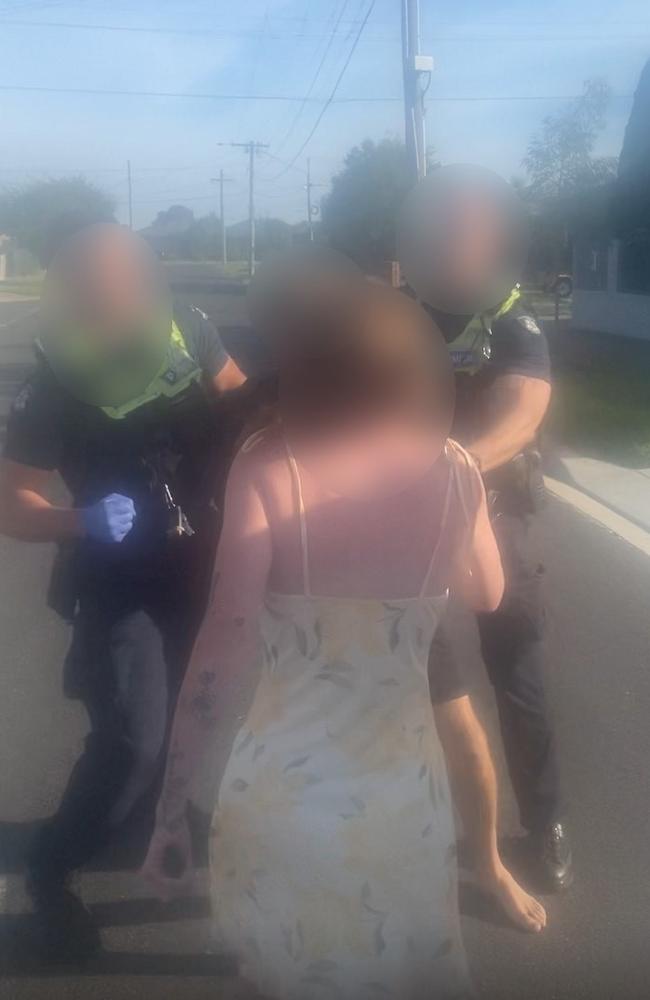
point(177, 372)
point(472, 349)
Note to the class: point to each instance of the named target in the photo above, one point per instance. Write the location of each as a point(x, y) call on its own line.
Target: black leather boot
point(64, 929)
point(553, 852)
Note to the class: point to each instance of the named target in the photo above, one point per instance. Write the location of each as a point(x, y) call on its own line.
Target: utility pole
point(251, 148)
point(312, 210)
point(221, 180)
point(128, 181)
point(417, 71)
point(251, 210)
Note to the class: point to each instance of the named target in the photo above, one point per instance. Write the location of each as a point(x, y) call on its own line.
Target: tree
point(175, 219)
point(564, 178)
point(360, 213)
point(560, 159)
point(39, 215)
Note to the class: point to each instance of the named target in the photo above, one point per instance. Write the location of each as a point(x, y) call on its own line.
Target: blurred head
point(462, 239)
point(291, 288)
point(367, 357)
point(105, 314)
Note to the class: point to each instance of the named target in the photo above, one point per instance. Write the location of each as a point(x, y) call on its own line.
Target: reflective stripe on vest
point(472, 349)
point(177, 372)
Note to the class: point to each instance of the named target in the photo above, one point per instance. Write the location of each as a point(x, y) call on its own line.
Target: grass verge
point(28, 286)
point(601, 402)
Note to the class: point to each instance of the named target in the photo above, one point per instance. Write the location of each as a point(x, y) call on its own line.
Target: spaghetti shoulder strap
point(451, 480)
point(462, 462)
point(251, 441)
point(304, 546)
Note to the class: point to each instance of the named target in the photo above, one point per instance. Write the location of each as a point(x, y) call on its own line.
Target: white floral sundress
point(333, 869)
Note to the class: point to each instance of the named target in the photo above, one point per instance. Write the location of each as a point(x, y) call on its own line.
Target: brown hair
point(365, 351)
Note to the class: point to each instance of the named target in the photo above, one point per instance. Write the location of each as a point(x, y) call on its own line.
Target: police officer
point(462, 240)
point(121, 405)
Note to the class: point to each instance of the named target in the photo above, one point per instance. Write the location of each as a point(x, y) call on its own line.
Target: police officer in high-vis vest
point(121, 405)
point(462, 242)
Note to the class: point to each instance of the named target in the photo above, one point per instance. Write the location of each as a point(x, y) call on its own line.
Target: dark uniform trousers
point(131, 640)
point(512, 640)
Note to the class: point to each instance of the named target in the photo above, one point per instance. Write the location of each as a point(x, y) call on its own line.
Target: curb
point(558, 471)
point(620, 525)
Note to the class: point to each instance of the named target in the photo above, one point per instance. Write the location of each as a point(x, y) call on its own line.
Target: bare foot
point(522, 908)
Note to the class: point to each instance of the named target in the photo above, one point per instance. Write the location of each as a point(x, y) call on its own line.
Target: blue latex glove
point(110, 519)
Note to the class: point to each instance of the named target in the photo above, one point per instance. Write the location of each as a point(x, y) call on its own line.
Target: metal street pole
point(251, 209)
point(224, 252)
point(416, 68)
point(309, 219)
point(128, 180)
point(312, 210)
point(409, 133)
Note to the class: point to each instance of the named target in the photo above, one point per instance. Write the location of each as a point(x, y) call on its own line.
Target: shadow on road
point(126, 851)
point(19, 957)
point(18, 934)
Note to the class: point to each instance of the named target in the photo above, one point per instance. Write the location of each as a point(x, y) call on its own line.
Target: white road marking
point(616, 523)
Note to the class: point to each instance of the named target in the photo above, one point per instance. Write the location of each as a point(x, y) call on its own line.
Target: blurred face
point(474, 239)
point(462, 239)
point(372, 360)
point(296, 291)
point(105, 315)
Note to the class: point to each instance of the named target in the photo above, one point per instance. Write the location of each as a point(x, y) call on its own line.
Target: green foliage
point(564, 177)
point(177, 234)
point(38, 214)
point(560, 159)
point(360, 213)
point(604, 413)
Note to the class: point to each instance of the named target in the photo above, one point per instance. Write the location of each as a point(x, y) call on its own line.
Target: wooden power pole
point(251, 148)
point(221, 180)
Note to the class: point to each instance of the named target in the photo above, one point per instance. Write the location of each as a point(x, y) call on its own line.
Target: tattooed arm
point(226, 644)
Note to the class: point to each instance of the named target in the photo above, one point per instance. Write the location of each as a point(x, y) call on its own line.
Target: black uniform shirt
point(518, 346)
point(168, 439)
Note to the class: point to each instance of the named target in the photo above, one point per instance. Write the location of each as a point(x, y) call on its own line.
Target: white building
point(611, 290)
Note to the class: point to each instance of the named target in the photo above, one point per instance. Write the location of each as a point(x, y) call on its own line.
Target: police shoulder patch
point(529, 324)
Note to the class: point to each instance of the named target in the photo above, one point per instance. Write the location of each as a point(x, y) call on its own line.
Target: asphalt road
point(596, 944)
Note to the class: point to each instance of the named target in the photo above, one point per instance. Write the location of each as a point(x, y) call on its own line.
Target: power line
point(96, 91)
point(300, 110)
point(170, 198)
point(155, 30)
point(255, 33)
point(103, 170)
point(361, 99)
point(330, 99)
point(285, 163)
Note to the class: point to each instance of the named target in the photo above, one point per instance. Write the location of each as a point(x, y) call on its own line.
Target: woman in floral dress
point(333, 870)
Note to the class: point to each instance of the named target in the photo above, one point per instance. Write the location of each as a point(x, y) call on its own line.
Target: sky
point(531, 56)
